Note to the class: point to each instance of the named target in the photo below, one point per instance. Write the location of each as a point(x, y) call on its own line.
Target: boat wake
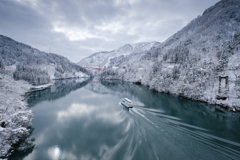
point(178, 136)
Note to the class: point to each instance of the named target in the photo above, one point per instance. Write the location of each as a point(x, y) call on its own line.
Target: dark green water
point(80, 119)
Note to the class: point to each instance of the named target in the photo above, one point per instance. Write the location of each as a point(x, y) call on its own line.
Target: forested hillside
point(200, 62)
point(35, 66)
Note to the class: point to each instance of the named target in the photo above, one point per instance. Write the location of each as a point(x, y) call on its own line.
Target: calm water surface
point(82, 119)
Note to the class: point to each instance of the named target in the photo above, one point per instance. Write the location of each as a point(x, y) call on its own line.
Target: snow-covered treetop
point(14, 53)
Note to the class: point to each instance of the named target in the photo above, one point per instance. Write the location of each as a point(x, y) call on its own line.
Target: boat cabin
point(127, 103)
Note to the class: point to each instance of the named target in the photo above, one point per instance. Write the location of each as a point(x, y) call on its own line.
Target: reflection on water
point(83, 120)
point(54, 152)
point(60, 89)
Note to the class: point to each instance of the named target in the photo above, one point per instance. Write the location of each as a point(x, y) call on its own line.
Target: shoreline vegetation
point(15, 117)
point(24, 69)
point(199, 62)
point(219, 103)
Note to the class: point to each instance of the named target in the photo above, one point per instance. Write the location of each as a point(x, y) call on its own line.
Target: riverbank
point(14, 115)
point(194, 130)
point(209, 96)
point(178, 88)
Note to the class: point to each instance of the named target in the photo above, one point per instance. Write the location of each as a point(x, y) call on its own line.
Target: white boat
point(127, 103)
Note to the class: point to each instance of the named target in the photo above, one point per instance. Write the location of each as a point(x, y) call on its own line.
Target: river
point(82, 119)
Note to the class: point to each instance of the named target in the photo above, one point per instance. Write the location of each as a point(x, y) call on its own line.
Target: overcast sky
point(78, 28)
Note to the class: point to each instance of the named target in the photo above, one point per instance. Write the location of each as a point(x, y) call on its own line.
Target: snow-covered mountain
point(200, 62)
point(35, 66)
point(20, 62)
point(112, 58)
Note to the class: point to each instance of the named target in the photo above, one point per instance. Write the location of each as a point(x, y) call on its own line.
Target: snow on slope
point(190, 62)
point(24, 62)
point(35, 64)
point(104, 59)
point(14, 116)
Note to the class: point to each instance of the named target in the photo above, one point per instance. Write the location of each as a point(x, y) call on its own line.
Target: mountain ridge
point(35, 66)
point(102, 59)
point(192, 62)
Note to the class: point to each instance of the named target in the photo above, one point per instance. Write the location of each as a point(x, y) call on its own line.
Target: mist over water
point(82, 119)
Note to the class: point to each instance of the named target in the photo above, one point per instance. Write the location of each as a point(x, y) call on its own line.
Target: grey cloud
point(14, 16)
point(77, 28)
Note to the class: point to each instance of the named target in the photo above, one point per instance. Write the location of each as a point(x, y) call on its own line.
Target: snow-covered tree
point(34, 76)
